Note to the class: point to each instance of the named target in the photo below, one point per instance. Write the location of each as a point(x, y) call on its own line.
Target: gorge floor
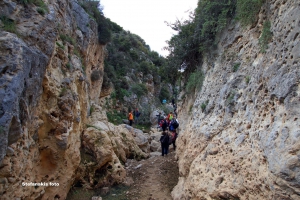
point(148, 179)
point(153, 178)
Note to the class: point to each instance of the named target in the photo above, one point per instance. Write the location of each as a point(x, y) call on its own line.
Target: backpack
point(165, 139)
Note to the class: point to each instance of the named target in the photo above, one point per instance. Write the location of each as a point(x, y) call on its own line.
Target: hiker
point(164, 124)
point(136, 114)
point(130, 118)
point(170, 116)
point(164, 140)
point(173, 124)
point(174, 137)
point(158, 117)
point(173, 102)
point(158, 120)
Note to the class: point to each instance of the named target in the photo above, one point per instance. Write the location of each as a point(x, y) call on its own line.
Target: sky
point(146, 18)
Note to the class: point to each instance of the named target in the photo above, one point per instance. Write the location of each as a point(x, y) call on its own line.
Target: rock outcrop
point(50, 86)
point(241, 137)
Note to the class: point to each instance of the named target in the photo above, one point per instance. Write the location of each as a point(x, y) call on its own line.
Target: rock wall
point(50, 83)
point(240, 140)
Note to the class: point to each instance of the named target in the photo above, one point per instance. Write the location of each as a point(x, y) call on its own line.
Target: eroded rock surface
point(245, 144)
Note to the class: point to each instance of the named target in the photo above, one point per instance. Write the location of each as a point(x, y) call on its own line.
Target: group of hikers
point(169, 135)
point(168, 125)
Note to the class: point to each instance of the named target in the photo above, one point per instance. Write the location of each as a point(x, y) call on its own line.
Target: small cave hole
point(295, 119)
point(95, 182)
point(109, 167)
point(57, 197)
point(78, 184)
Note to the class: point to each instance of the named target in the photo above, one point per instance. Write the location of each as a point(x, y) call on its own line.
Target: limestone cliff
point(240, 139)
point(51, 72)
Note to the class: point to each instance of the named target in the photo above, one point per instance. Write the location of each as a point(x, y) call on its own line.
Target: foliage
point(128, 55)
point(197, 34)
point(104, 24)
point(265, 37)
point(92, 108)
point(95, 75)
point(247, 79)
point(42, 7)
point(139, 89)
point(230, 98)
point(203, 105)
point(9, 25)
point(195, 82)
point(41, 11)
point(60, 45)
point(247, 11)
point(164, 93)
point(115, 117)
point(63, 91)
point(236, 66)
point(66, 38)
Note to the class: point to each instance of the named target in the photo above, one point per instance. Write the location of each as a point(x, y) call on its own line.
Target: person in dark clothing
point(164, 140)
point(158, 118)
point(164, 125)
point(136, 114)
point(173, 102)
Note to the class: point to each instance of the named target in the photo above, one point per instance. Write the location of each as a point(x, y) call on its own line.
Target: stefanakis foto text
point(45, 184)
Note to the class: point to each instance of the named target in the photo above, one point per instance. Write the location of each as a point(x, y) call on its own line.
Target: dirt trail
point(153, 178)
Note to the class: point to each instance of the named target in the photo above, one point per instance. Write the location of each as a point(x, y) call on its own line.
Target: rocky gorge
point(239, 135)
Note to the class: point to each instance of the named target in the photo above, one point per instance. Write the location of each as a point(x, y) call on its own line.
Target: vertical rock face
point(245, 143)
point(50, 74)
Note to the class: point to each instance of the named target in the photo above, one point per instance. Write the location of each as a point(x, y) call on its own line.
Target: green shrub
point(96, 75)
point(92, 109)
point(203, 106)
point(247, 79)
point(41, 11)
point(115, 117)
point(236, 67)
point(60, 45)
point(265, 37)
point(63, 91)
point(104, 31)
point(230, 98)
point(139, 89)
point(69, 66)
point(67, 38)
point(9, 25)
point(164, 93)
point(247, 11)
point(195, 82)
point(41, 4)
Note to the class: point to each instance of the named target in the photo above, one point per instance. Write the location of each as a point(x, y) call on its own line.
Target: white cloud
point(146, 18)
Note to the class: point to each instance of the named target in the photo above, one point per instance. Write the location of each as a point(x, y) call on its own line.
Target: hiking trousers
point(164, 149)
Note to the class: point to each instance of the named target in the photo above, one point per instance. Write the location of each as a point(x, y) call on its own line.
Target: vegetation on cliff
point(199, 34)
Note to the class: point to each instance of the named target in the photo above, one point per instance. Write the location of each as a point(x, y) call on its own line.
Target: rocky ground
point(153, 178)
point(148, 179)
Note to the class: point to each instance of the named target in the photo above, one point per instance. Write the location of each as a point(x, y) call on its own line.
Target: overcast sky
point(146, 18)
